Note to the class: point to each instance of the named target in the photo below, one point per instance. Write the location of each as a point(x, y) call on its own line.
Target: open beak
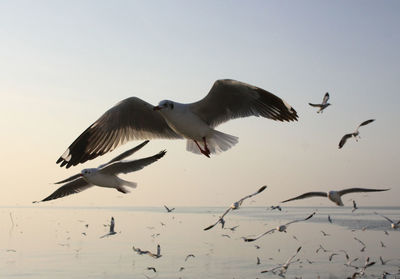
point(157, 108)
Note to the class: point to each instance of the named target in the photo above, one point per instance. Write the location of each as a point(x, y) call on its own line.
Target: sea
point(67, 242)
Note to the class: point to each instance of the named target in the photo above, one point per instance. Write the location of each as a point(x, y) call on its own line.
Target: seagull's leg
point(207, 154)
point(205, 146)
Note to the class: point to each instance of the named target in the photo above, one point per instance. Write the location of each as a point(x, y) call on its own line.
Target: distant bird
point(332, 255)
point(276, 207)
point(281, 228)
point(181, 268)
point(226, 235)
point(354, 206)
point(334, 196)
point(329, 219)
point(146, 252)
point(323, 105)
point(189, 256)
point(232, 229)
point(134, 118)
point(393, 225)
point(321, 248)
point(152, 268)
point(111, 232)
point(258, 261)
point(382, 244)
point(362, 243)
point(325, 234)
point(105, 175)
point(169, 209)
point(355, 134)
point(234, 206)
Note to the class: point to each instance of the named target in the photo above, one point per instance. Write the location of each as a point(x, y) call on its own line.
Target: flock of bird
point(133, 119)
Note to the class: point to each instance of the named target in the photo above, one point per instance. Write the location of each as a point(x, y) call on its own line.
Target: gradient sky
point(64, 63)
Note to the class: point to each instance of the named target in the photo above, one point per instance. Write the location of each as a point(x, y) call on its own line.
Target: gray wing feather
point(344, 139)
point(326, 98)
point(229, 99)
point(358, 190)
point(366, 122)
point(70, 188)
point(307, 195)
point(126, 153)
point(249, 196)
point(69, 179)
point(130, 119)
point(315, 105)
point(131, 166)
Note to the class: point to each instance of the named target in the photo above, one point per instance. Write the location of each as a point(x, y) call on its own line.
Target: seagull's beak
point(157, 108)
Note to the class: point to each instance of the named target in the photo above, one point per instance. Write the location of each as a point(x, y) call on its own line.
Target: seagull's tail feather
point(216, 142)
point(123, 183)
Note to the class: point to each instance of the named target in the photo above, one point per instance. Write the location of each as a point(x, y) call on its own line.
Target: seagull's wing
point(72, 187)
point(308, 195)
point(166, 207)
point(69, 179)
point(211, 226)
point(249, 196)
point(131, 166)
point(384, 217)
point(291, 258)
point(226, 212)
point(298, 220)
point(315, 105)
point(326, 98)
point(130, 119)
point(126, 153)
point(229, 99)
point(258, 236)
point(365, 123)
point(344, 139)
point(358, 190)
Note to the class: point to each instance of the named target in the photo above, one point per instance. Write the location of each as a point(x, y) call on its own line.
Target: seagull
point(152, 268)
point(232, 229)
point(355, 134)
point(104, 176)
point(134, 118)
point(142, 252)
point(334, 196)
point(276, 207)
point(234, 206)
point(188, 256)
point(393, 224)
point(362, 243)
point(258, 261)
point(329, 219)
point(111, 232)
point(281, 228)
point(354, 206)
point(169, 209)
point(382, 244)
point(332, 255)
point(325, 234)
point(323, 105)
point(284, 266)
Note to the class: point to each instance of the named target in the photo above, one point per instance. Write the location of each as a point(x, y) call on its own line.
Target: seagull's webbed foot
point(206, 152)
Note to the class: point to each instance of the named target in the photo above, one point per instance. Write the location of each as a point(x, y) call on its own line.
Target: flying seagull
point(355, 134)
point(283, 267)
point(142, 252)
point(281, 228)
point(104, 176)
point(169, 209)
point(354, 206)
point(394, 225)
point(134, 118)
point(335, 196)
point(234, 206)
point(323, 105)
point(112, 231)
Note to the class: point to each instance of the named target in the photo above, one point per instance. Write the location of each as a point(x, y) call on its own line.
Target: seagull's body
point(355, 134)
point(105, 175)
point(393, 225)
point(334, 196)
point(134, 118)
point(281, 228)
point(234, 206)
point(323, 105)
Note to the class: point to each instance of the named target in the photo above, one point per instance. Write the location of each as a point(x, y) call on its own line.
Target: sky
point(64, 63)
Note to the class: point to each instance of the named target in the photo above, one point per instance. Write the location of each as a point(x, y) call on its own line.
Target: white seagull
point(335, 196)
point(393, 225)
point(105, 175)
point(323, 105)
point(281, 228)
point(355, 134)
point(283, 267)
point(234, 206)
point(134, 118)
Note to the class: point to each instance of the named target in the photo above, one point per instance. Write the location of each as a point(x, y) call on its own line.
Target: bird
point(234, 206)
point(142, 252)
point(330, 219)
point(393, 225)
point(152, 268)
point(362, 243)
point(332, 255)
point(285, 266)
point(232, 229)
point(188, 256)
point(258, 261)
point(104, 176)
point(169, 209)
point(355, 134)
point(334, 196)
point(133, 118)
point(112, 231)
point(276, 207)
point(325, 234)
point(354, 206)
point(281, 228)
point(323, 105)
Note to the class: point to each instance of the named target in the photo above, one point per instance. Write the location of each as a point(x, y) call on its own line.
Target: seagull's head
point(165, 104)
point(87, 172)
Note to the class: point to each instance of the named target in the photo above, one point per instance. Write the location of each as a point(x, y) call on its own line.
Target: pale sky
point(64, 63)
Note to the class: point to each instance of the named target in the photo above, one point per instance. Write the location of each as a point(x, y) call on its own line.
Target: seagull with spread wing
point(394, 225)
point(134, 118)
point(323, 105)
point(234, 206)
point(281, 228)
point(335, 196)
point(355, 134)
point(105, 175)
point(169, 209)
